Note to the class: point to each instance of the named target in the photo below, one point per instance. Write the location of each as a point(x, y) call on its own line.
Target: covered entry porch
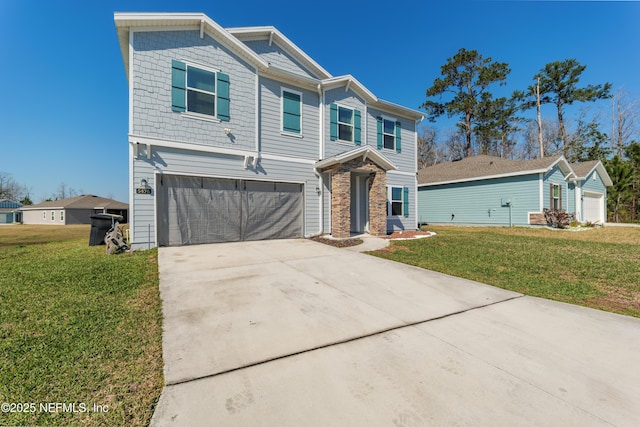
point(358, 181)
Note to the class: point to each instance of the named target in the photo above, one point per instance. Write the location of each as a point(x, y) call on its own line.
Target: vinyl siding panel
point(480, 202)
point(197, 163)
point(554, 176)
point(346, 99)
point(406, 160)
point(151, 86)
point(272, 140)
point(400, 223)
point(278, 57)
point(595, 186)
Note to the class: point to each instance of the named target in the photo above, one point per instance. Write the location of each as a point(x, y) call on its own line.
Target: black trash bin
point(100, 225)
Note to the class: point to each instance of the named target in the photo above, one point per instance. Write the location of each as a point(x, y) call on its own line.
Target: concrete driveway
point(293, 332)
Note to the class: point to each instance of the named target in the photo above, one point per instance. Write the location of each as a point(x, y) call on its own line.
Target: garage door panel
point(195, 210)
point(593, 205)
point(273, 215)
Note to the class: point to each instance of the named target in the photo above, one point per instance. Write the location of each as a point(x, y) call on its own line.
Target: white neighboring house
point(72, 210)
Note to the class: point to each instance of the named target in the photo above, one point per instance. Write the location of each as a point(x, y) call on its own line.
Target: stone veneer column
point(340, 203)
point(378, 203)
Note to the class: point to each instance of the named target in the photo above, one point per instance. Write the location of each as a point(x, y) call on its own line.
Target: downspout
point(416, 199)
point(321, 153)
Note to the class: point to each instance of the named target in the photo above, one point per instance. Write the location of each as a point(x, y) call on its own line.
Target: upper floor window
point(200, 91)
point(389, 134)
point(345, 124)
point(291, 112)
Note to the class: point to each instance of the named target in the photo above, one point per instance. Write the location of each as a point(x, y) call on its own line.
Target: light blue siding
point(570, 206)
point(480, 202)
point(153, 53)
point(306, 145)
point(554, 176)
point(278, 57)
point(401, 222)
point(347, 99)
point(594, 186)
point(405, 161)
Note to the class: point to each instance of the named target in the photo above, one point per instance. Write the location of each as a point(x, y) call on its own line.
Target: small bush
point(558, 218)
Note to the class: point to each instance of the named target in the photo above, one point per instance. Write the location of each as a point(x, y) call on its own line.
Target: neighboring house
point(237, 134)
point(72, 210)
point(487, 190)
point(10, 211)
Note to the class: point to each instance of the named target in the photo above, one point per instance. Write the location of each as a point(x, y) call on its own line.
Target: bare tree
point(624, 120)
point(551, 140)
point(456, 145)
point(10, 188)
point(428, 151)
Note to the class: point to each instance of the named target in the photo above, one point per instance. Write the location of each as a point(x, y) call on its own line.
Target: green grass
point(594, 268)
point(78, 326)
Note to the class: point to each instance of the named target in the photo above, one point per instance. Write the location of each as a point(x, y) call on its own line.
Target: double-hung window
point(389, 134)
point(291, 112)
point(61, 216)
point(199, 90)
point(53, 215)
point(556, 196)
point(345, 124)
point(396, 201)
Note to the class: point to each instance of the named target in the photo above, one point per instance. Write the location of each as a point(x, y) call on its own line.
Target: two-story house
point(237, 134)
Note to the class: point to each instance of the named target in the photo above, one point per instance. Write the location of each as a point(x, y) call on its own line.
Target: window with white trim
point(201, 91)
point(345, 124)
point(291, 112)
point(53, 215)
point(61, 216)
point(44, 215)
point(389, 134)
point(556, 196)
point(395, 201)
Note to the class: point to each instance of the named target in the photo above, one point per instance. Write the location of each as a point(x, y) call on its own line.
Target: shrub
point(558, 218)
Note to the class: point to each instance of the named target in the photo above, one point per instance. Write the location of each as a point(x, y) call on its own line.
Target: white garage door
point(195, 210)
point(593, 205)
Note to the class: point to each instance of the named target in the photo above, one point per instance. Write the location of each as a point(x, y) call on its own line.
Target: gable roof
point(85, 201)
point(487, 167)
point(365, 151)
point(232, 38)
point(584, 169)
point(274, 36)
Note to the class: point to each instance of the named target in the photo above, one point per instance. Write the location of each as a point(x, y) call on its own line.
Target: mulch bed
point(338, 243)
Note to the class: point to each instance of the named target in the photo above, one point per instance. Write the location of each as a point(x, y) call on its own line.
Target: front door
point(359, 203)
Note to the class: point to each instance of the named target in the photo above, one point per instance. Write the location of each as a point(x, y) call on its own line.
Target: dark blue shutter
point(333, 123)
point(356, 127)
point(178, 86)
point(291, 109)
point(405, 201)
point(223, 97)
point(379, 132)
point(398, 137)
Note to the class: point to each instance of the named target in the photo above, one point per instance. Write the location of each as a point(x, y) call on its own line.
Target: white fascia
point(482, 178)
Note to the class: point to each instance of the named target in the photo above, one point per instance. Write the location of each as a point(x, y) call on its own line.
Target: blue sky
point(64, 115)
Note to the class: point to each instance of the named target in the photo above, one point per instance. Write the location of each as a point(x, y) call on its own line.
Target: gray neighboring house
point(10, 211)
point(72, 210)
point(237, 134)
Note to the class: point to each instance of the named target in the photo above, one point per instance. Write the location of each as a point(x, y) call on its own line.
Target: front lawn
point(80, 331)
point(596, 268)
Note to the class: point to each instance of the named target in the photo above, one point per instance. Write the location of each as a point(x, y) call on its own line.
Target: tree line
point(497, 126)
point(13, 190)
